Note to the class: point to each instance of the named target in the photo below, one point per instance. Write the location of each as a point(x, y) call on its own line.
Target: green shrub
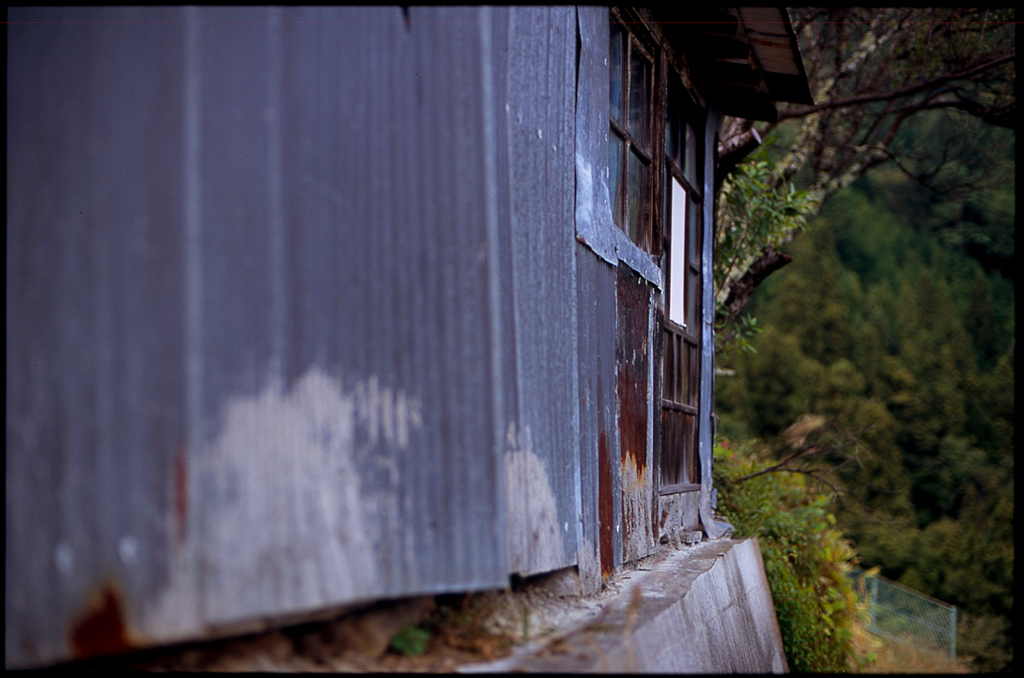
point(411, 641)
point(805, 557)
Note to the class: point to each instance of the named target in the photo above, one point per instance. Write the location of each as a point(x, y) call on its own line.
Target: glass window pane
point(692, 375)
point(687, 449)
point(634, 196)
point(676, 126)
point(667, 376)
point(640, 98)
point(691, 464)
point(666, 205)
point(693, 233)
point(672, 139)
point(692, 302)
point(615, 68)
point(677, 254)
point(615, 146)
point(690, 168)
point(639, 200)
point(683, 385)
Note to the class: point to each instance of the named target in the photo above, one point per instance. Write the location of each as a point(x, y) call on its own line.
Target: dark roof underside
point(747, 56)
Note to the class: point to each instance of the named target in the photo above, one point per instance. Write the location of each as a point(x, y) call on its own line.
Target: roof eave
point(748, 57)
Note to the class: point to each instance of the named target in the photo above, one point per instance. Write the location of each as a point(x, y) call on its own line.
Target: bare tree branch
point(871, 71)
point(784, 467)
point(804, 111)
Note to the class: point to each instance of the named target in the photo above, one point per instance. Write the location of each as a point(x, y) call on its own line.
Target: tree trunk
point(741, 290)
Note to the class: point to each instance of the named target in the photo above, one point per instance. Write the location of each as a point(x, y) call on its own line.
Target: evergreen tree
point(900, 337)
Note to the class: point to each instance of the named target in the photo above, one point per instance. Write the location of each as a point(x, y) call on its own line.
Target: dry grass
point(882, 655)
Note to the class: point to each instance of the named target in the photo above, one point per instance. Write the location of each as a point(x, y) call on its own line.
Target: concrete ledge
point(699, 609)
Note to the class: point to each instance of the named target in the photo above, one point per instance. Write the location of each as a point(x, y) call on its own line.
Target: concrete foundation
point(704, 608)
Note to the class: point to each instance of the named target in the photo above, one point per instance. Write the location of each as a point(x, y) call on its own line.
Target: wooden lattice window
point(633, 135)
point(656, 190)
point(682, 232)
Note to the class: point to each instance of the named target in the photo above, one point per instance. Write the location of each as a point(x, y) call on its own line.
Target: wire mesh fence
point(906, 615)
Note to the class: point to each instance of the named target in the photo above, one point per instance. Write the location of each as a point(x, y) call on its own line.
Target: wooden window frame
point(681, 417)
point(681, 391)
point(624, 138)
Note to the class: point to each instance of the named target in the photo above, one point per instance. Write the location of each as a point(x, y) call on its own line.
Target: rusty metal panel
point(543, 465)
point(600, 549)
point(633, 379)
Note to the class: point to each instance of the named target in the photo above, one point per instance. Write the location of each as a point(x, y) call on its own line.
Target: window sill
point(637, 259)
point(679, 489)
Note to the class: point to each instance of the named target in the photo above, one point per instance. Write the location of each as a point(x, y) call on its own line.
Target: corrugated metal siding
point(253, 354)
point(597, 265)
point(594, 225)
point(714, 526)
point(543, 467)
point(361, 460)
point(308, 306)
point(636, 281)
point(91, 501)
point(601, 482)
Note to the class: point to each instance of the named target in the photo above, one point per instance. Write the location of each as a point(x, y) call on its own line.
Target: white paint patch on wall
point(584, 188)
point(287, 522)
point(535, 537)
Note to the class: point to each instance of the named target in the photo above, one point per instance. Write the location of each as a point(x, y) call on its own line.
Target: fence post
point(952, 632)
point(871, 603)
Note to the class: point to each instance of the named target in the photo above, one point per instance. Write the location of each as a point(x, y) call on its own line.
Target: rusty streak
point(101, 630)
point(632, 355)
point(181, 493)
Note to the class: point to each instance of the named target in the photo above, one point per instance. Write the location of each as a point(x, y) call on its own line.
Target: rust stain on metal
point(633, 418)
point(633, 375)
point(634, 488)
point(181, 493)
point(637, 517)
point(632, 357)
point(101, 630)
point(605, 504)
point(634, 470)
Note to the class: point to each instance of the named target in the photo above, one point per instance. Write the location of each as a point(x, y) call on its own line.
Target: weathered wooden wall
point(309, 307)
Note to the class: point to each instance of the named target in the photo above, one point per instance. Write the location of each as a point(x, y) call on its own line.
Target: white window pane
point(677, 254)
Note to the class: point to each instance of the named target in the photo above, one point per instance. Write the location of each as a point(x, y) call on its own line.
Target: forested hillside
point(894, 325)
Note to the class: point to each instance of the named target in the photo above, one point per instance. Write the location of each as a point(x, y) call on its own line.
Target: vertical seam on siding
point(193, 266)
point(278, 292)
point(493, 273)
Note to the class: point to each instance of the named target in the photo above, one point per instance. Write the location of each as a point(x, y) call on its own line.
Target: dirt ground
point(422, 635)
